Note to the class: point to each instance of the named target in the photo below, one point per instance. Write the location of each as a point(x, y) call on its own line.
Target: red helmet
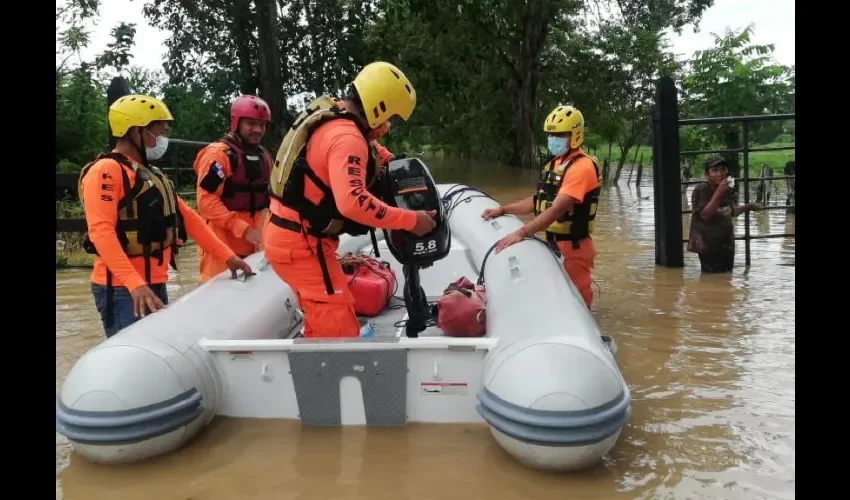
point(248, 106)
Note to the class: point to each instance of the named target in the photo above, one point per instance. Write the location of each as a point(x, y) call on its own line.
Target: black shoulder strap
point(120, 158)
point(130, 192)
point(302, 155)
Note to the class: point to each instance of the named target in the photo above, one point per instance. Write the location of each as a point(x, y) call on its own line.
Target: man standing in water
point(134, 217)
point(233, 182)
point(565, 202)
point(712, 233)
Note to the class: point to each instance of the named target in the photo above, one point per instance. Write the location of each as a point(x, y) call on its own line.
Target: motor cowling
point(409, 185)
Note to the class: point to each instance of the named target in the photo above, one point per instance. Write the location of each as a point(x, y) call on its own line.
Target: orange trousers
point(578, 263)
point(328, 316)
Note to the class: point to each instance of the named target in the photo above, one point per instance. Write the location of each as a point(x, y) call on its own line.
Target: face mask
point(157, 151)
point(557, 145)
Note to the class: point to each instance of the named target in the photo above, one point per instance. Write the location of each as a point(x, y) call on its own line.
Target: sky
point(774, 23)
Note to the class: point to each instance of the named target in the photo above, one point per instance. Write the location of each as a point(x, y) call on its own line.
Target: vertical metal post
point(669, 251)
point(746, 138)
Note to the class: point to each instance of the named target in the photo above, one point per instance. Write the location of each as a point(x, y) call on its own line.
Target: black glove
point(400, 156)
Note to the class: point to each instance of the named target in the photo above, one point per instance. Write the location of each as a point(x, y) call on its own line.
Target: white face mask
point(157, 151)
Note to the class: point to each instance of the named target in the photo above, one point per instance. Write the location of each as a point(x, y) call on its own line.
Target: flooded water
point(710, 361)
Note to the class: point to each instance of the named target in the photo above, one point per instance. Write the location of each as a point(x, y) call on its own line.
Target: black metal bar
point(737, 150)
point(752, 179)
point(665, 171)
point(772, 148)
point(746, 133)
point(187, 142)
point(67, 181)
point(769, 207)
point(70, 180)
point(736, 119)
point(769, 236)
point(761, 237)
point(71, 225)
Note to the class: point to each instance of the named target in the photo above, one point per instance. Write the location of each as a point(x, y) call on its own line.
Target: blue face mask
point(557, 145)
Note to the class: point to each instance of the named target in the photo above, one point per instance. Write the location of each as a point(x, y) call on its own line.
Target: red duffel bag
point(461, 310)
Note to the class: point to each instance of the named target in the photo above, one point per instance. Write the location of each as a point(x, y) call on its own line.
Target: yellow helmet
point(384, 92)
point(566, 119)
point(136, 111)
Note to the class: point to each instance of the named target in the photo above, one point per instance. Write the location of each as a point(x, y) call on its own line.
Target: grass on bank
point(69, 246)
point(775, 160)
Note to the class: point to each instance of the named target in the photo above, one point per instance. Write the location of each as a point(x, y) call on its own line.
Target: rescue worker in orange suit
point(135, 218)
point(321, 182)
point(565, 201)
point(233, 183)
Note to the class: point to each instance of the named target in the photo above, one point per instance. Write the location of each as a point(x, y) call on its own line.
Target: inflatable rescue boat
point(542, 376)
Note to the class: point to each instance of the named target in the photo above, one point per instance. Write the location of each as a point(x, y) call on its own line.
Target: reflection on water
point(709, 359)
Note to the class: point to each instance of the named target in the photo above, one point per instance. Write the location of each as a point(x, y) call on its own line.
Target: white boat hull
point(542, 378)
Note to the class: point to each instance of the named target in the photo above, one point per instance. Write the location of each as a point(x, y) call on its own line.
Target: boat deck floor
point(387, 323)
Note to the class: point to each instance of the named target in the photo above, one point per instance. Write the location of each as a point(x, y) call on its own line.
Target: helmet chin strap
point(142, 151)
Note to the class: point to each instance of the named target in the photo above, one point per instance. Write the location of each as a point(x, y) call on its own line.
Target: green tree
point(638, 57)
point(81, 114)
point(498, 65)
point(736, 77)
point(80, 108)
point(263, 47)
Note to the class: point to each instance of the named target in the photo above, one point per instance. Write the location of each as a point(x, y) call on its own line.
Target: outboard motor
point(409, 185)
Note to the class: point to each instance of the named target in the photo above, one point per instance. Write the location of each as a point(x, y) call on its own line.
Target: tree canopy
point(486, 72)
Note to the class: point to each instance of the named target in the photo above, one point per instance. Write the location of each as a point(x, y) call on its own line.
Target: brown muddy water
point(710, 361)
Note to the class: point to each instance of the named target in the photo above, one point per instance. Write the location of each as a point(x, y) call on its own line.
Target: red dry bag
point(461, 310)
point(371, 282)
